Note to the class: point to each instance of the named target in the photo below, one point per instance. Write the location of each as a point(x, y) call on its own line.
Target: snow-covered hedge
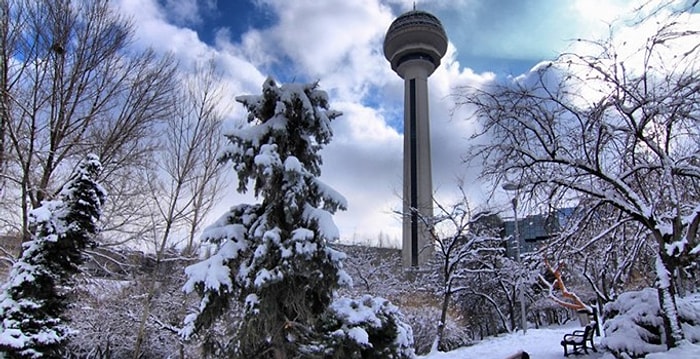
point(369, 327)
point(424, 320)
point(634, 326)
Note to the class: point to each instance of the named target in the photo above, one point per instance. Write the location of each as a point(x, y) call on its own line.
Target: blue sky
point(339, 43)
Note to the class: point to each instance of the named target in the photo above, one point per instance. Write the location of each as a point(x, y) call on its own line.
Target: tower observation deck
point(414, 45)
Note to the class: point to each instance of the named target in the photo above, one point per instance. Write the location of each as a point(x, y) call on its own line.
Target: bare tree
point(606, 248)
point(619, 127)
point(187, 179)
point(463, 241)
point(71, 85)
point(374, 270)
point(493, 291)
point(4, 116)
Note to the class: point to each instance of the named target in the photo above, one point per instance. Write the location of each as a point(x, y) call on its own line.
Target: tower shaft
point(417, 173)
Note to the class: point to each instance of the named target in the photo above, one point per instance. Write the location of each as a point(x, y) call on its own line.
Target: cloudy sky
point(339, 43)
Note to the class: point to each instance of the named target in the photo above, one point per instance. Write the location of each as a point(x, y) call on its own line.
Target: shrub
point(424, 321)
point(634, 326)
point(370, 327)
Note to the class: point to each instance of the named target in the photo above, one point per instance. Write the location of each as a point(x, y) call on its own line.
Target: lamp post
point(516, 237)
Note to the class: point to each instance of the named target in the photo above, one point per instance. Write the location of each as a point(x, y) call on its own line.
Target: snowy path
point(544, 344)
point(539, 343)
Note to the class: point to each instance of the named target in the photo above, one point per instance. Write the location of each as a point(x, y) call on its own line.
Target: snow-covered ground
point(544, 344)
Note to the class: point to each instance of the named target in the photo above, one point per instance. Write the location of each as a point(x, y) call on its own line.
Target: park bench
point(580, 340)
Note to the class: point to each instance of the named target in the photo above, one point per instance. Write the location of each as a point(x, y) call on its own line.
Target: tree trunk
point(511, 312)
point(443, 319)
point(667, 300)
point(4, 99)
point(279, 353)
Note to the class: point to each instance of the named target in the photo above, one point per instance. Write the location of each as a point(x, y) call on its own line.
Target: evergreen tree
point(34, 299)
point(274, 255)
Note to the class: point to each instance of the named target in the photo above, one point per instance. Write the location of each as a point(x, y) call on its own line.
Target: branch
point(576, 303)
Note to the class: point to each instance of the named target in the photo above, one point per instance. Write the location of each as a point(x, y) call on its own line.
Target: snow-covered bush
point(424, 320)
point(369, 327)
point(634, 325)
point(375, 271)
point(105, 310)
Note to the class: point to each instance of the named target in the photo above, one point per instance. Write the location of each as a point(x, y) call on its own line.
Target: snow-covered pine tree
point(32, 302)
point(274, 255)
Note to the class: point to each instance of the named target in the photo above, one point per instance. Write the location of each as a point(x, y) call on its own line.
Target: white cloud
point(183, 12)
point(364, 163)
point(339, 42)
point(154, 31)
point(321, 36)
point(600, 12)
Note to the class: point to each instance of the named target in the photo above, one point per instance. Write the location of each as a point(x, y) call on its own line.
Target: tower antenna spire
point(414, 6)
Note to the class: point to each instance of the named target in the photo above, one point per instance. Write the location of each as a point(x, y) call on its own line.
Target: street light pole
point(516, 238)
point(521, 292)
